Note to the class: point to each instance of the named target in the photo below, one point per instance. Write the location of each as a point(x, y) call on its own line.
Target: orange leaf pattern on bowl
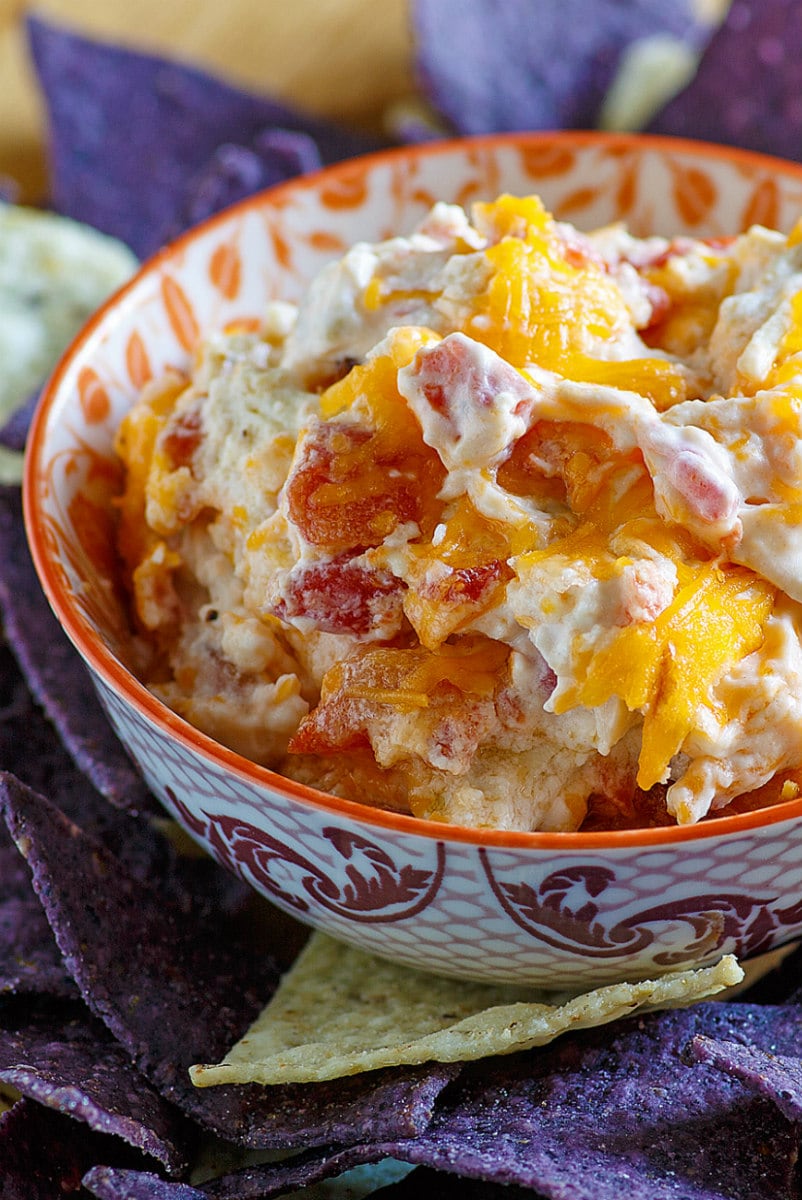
point(695, 193)
point(225, 270)
point(94, 398)
point(140, 371)
point(180, 313)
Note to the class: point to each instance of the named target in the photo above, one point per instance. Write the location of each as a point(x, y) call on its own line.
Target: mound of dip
point(500, 526)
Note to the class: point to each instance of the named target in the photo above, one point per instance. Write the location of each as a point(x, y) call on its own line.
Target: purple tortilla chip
point(396, 1102)
point(175, 990)
point(64, 1059)
point(488, 66)
point(15, 430)
point(30, 749)
point(30, 962)
point(169, 988)
point(235, 171)
point(129, 132)
point(55, 672)
point(747, 90)
point(577, 1118)
point(43, 1154)
point(110, 1183)
point(777, 1077)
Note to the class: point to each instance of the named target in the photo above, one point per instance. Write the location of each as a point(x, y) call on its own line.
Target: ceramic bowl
point(550, 909)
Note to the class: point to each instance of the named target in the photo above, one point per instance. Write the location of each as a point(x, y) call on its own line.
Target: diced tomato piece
point(569, 455)
point(351, 487)
point(342, 596)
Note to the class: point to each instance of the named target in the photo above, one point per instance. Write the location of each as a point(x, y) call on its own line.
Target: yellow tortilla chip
point(340, 1010)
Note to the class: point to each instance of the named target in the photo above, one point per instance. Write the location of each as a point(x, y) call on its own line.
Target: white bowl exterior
point(498, 912)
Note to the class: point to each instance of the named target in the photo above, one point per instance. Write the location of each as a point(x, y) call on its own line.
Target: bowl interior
point(270, 247)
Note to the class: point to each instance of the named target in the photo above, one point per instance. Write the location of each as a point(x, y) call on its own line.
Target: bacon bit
point(449, 694)
point(181, 438)
point(351, 487)
point(660, 303)
point(342, 596)
point(579, 251)
point(627, 809)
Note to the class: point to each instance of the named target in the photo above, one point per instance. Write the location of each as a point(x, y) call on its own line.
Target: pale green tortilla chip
point(340, 1010)
point(54, 273)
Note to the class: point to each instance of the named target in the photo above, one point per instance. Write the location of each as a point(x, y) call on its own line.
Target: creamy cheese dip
point(502, 525)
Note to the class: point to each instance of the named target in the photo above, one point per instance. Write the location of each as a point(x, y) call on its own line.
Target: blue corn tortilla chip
point(747, 90)
point(55, 672)
point(235, 171)
point(487, 66)
point(14, 431)
point(43, 1154)
point(777, 1077)
point(30, 962)
point(594, 1109)
point(130, 132)
point(114, 1183)
point(122, 939)
point(197, 986)
point(65, 1060)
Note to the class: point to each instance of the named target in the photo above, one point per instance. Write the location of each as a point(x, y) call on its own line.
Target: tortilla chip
point(55, 672)
point(44, 1153)
point(596, 1108)
point(62, 1058)
point(195, 983)
point(340, 1010)
point(776, 1077)
point(234, 172)
point(110, 1183)
point(130, 133)
point(488, 67)
point(747, 88)
point(30, 963)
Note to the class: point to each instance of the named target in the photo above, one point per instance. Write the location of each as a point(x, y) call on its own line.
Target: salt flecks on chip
point(44, 1154)
point(777, 1077)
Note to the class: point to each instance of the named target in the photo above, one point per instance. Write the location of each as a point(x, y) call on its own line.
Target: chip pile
point(123, 963)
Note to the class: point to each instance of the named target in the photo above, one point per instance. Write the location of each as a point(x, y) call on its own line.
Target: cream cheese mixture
point(502, 525)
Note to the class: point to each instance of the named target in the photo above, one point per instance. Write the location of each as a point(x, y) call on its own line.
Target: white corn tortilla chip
point(340, 1010)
